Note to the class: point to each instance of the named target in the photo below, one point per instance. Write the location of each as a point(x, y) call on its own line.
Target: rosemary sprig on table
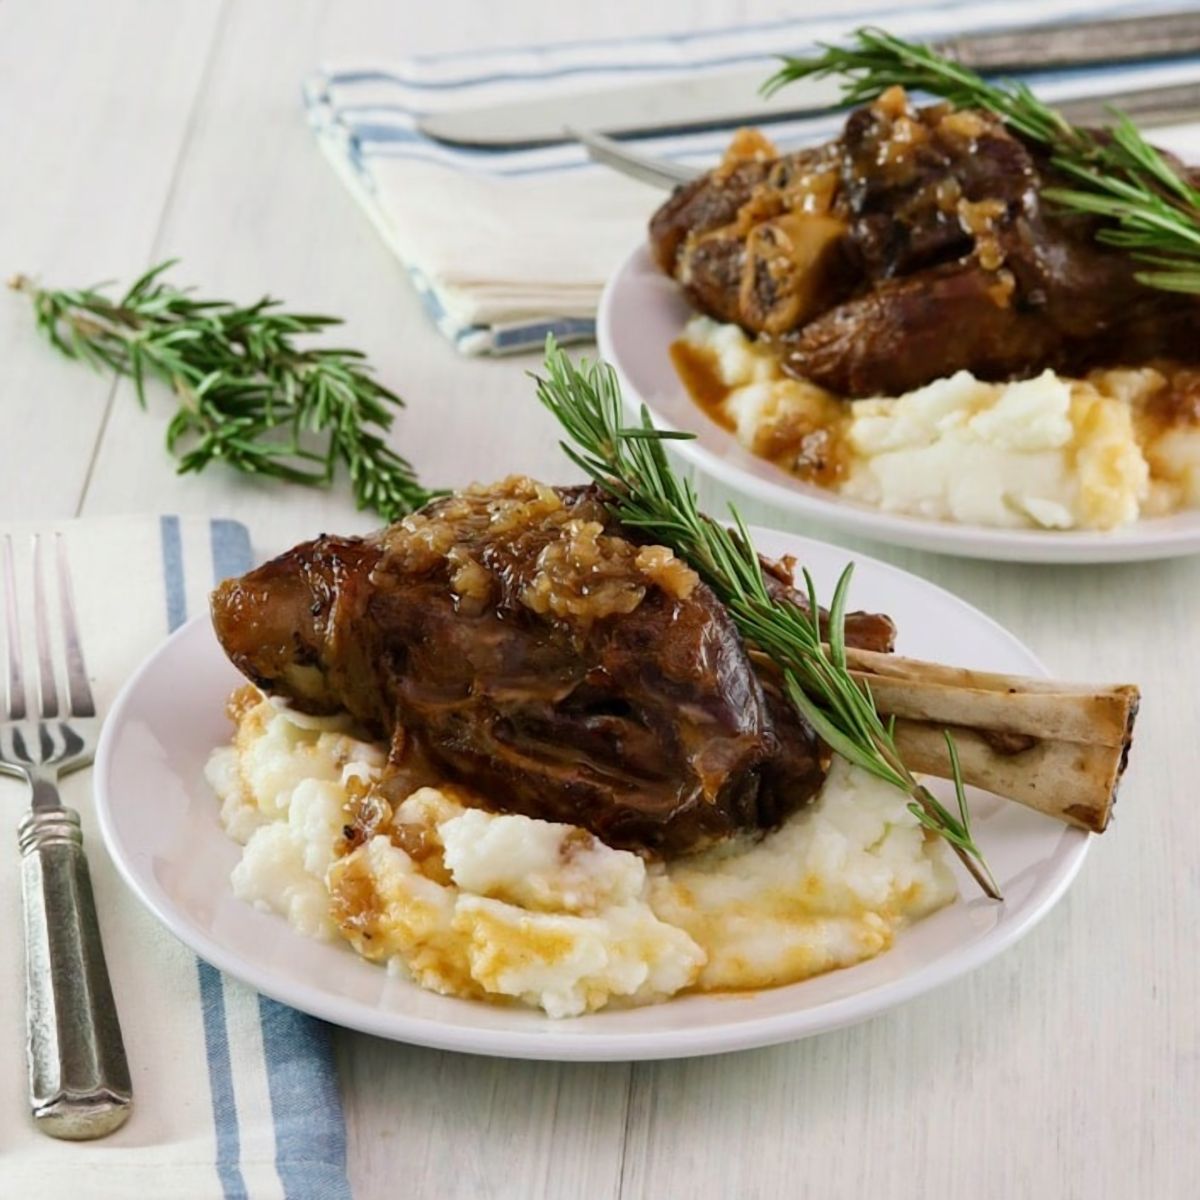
point(1149, 208)
point(248, 394)
point(643, 491)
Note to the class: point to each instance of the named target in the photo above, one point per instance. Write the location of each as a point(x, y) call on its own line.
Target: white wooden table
point(1068, 1068)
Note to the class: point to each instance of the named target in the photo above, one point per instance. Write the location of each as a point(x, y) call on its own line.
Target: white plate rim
point(1146, 540)
point(577, 1047)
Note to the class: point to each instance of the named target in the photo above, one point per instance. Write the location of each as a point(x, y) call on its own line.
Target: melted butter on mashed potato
point(489, 906)
point(1047, 452)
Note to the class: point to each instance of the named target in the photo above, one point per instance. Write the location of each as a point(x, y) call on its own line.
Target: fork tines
point(79, 693)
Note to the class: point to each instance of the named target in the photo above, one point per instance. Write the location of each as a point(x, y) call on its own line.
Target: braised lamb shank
point(533, 650)
point(515, 640)
point(916, 244)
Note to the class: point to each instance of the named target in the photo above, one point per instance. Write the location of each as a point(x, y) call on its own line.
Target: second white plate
point(642, 312)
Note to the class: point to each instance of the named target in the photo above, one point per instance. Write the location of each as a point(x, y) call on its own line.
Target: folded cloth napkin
point(506, 246)
point(235, 1096)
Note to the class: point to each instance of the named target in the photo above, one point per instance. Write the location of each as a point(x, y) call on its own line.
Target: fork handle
point(79, 1084)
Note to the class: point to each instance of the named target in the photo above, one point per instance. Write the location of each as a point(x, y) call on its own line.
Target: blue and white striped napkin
point(506, 246)
point(236, 1097)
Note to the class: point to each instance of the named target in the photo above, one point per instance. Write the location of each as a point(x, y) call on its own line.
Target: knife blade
point(712, 100)
point(726, 97)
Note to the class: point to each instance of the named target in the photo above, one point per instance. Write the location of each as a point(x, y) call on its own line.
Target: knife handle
point(1168, 35)
point(1152, 107)
point(79, 1086)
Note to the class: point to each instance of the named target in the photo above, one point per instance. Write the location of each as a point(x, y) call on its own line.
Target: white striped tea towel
point(235, 1096)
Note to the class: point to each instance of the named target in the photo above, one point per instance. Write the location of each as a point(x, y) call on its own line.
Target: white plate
point(160, 823)
point(642, 312)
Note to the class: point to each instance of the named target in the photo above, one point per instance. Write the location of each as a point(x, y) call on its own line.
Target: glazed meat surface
point(528, 648)
point(915, 245)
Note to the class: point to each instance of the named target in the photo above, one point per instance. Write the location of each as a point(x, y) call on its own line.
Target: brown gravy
point(1178, 403)
point(811, 447)
point(698, 371)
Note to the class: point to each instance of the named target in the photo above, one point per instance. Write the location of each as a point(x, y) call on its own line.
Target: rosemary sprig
point(643, 491)
point(1149, 208)
point(248, 394)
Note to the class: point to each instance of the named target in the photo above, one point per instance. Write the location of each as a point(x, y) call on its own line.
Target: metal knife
point(1151, 106)
point(727, 97)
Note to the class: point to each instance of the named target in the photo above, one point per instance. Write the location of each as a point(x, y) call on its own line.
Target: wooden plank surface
point(1068, 1068)
point(95, 114)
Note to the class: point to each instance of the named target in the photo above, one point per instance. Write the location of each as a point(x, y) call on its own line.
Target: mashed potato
point(472, 903)
point(827, 889)
point(1048, 452)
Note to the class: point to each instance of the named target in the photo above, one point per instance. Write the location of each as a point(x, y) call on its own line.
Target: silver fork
point(79, 1083)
